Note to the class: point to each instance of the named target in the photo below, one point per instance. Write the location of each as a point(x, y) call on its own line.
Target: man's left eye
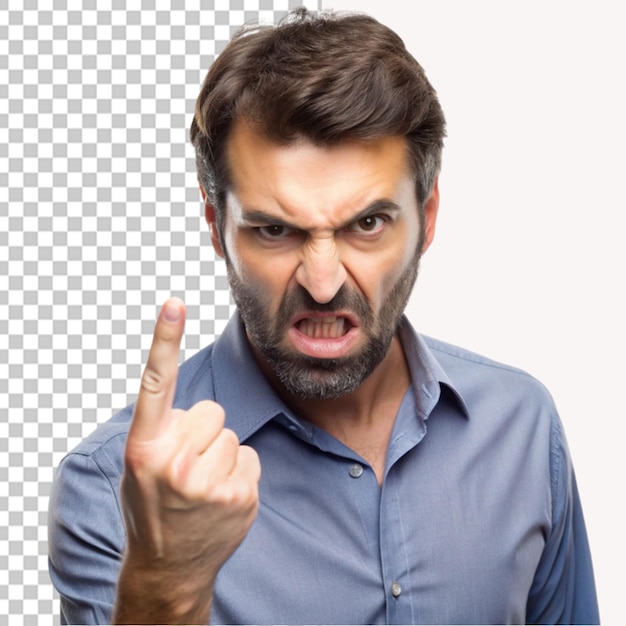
point(368, 225)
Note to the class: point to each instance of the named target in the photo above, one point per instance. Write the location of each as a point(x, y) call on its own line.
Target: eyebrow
point(255, 216)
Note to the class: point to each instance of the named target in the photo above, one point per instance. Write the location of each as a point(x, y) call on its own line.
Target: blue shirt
point(477, 521)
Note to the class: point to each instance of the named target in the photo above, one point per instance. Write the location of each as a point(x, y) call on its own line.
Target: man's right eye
point(274, 231)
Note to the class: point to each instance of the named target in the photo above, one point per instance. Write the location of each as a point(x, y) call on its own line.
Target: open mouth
point(324, 327)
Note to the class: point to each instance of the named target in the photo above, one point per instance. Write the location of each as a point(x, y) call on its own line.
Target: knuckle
point(217, 410)
point(212, 410)
point(248, 459)
point(249, 453)
point(247, 496)
point(230, 438)
point(175, 475)
point(236, 496)
point(138, 467)
point(152, 381)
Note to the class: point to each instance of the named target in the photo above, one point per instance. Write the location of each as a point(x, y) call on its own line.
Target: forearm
point(155, 595)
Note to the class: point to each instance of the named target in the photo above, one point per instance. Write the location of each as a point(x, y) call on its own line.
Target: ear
point(431, 209)
point(209, 216)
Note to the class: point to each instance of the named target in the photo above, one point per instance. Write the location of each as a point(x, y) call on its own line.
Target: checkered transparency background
point(100, 221)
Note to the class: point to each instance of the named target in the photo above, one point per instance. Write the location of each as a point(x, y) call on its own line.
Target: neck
point(362, 406)
point(362, 420)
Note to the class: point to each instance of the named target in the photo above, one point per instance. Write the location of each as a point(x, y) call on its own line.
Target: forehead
point(311, 184)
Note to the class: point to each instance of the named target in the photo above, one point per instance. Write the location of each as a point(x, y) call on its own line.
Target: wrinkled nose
point(321, 272)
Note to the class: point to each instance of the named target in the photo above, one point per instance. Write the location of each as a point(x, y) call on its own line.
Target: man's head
point(318, 145)
point(326, 78)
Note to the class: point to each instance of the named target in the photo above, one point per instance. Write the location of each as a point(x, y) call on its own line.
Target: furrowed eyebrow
point(261, 217)
point(379, 206)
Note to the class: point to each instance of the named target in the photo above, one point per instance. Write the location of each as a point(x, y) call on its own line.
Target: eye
point(370, 225)
point(274, 231)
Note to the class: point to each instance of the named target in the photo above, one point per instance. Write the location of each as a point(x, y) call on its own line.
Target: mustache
point(299, 299)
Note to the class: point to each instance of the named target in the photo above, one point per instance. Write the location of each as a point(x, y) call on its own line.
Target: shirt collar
point(234, 369)
point(427, 374)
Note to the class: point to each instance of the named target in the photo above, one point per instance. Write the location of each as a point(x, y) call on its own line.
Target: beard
point(309, 377)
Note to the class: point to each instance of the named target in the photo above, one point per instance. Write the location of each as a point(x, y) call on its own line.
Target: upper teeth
point(324, 328)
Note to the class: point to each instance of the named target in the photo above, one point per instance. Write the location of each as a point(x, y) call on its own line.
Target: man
point(403, 480)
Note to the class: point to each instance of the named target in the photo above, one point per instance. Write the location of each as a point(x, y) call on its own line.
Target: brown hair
point(327, 78)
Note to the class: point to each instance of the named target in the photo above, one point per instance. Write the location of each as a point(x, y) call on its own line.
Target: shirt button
point(356, 470)
point(396, 589)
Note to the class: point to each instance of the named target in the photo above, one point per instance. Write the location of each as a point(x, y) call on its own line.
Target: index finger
point(158, 382)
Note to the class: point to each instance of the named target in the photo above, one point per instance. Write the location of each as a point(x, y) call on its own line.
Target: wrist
point(151, 594)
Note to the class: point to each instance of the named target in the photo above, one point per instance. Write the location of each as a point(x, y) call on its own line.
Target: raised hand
point(189, 493)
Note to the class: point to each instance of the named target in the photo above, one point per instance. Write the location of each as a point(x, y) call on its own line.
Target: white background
point(528, 263)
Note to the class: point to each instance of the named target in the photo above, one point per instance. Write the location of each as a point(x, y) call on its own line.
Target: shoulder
point(496, 393)
point(467, 368)
point(461, 357)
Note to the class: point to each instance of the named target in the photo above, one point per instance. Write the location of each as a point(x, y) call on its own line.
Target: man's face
point(322, 246)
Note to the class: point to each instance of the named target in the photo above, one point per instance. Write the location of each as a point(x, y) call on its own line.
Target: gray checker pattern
point(100, 222)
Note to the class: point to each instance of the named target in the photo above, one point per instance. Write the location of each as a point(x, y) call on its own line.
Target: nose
point(321, 271)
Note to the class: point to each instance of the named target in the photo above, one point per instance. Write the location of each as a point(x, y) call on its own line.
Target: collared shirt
point(477, 520)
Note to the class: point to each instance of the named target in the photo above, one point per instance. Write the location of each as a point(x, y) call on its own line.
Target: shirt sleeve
point(563, 590)
point(86, 537)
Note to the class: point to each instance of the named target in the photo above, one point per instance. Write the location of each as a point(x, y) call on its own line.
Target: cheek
point(373, 275)
point(269, 275)
point(377, 272)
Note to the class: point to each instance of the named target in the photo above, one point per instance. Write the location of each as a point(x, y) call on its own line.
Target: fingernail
point(171, 311)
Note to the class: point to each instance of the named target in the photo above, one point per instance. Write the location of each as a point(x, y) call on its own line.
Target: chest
point(440, 542)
